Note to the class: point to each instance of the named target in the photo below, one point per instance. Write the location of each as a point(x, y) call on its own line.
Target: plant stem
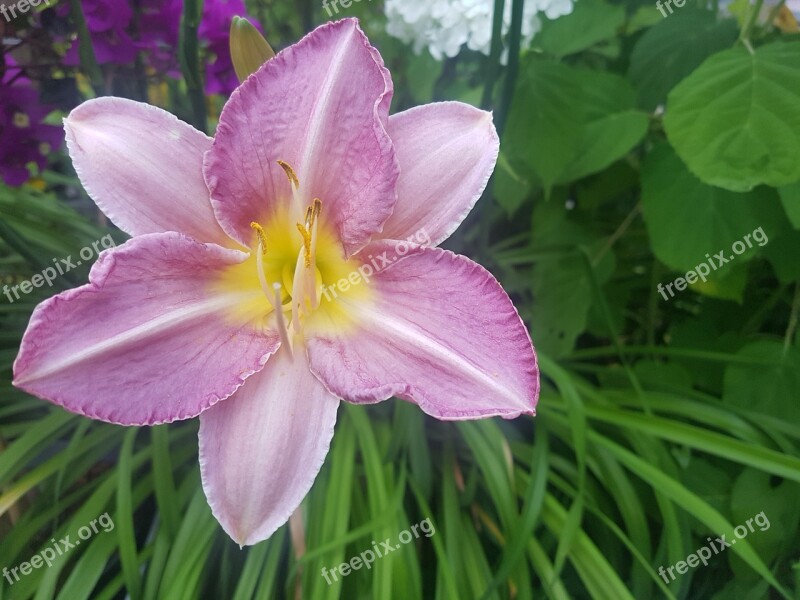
point(189, 54)
point(493, 61)
point(492, 69)
point(514, 46)
point(752, 17)
point(85, 48)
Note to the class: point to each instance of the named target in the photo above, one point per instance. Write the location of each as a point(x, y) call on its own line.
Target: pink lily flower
point(244, 295)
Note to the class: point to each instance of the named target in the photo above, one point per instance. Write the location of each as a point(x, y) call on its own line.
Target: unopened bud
point(249, 49)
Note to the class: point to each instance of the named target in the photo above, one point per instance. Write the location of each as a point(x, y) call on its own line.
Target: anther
point(262, 237)
point(290, 174)
point(260, 253)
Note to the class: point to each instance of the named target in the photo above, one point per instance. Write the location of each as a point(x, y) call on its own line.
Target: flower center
point(294, 263)
point(21, 120)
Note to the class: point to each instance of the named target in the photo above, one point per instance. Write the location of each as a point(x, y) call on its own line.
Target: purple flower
point(159, 26)
point(24, 138)
point(214, 32)
point(111, 24)
point(160, 32)
point(108, 22)
point(258, 294)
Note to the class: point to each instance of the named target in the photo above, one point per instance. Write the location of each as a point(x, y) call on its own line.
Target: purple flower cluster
point(24, 138)
point(118, 34)
point(108, 22)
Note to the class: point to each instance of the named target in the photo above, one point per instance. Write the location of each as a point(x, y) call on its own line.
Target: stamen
point(311, 273)
point(309, 231)
point(290, 174)
point(281, 320)
point(307, 239)
point(312, 227)
point(262, 237)
point(317, 209)
point(260, 253)
point(295, 183)
point(298, 292)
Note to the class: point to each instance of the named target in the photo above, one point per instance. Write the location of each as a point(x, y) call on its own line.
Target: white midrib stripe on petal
point(423, 343)
point(168, 320)
point(309, 160)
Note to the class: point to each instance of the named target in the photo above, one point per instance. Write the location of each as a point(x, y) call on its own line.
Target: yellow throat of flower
point(293, 263)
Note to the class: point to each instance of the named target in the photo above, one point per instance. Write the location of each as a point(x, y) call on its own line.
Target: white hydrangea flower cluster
point(445, 26)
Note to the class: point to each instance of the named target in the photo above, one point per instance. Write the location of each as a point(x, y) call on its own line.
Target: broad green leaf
point(567, 123)
point(611, 126)
point(604, 93)
point(735, 120)
point(770, 390)
point(561, 286)
point(690, 222)
point(590, 22)
point(771, 509)
point(562, 296)
point(643, 18)
point(605, 141)
point(544, 123)
point(510, 188)
point(726, 284)
point(783, 253)
point(709, 482)
point(673, 48)
point(790, 198)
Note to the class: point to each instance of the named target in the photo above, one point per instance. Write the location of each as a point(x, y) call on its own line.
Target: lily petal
point(439, 331)
point(321, 106)
point(261, 449)
point(447, 152)
point(147, 341)
point(143, 168)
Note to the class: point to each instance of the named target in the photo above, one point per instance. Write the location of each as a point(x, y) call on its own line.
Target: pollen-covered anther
point(262, 237)
point(306, 243)
point(308, 231)
point(293, 179)
point(261, 251)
